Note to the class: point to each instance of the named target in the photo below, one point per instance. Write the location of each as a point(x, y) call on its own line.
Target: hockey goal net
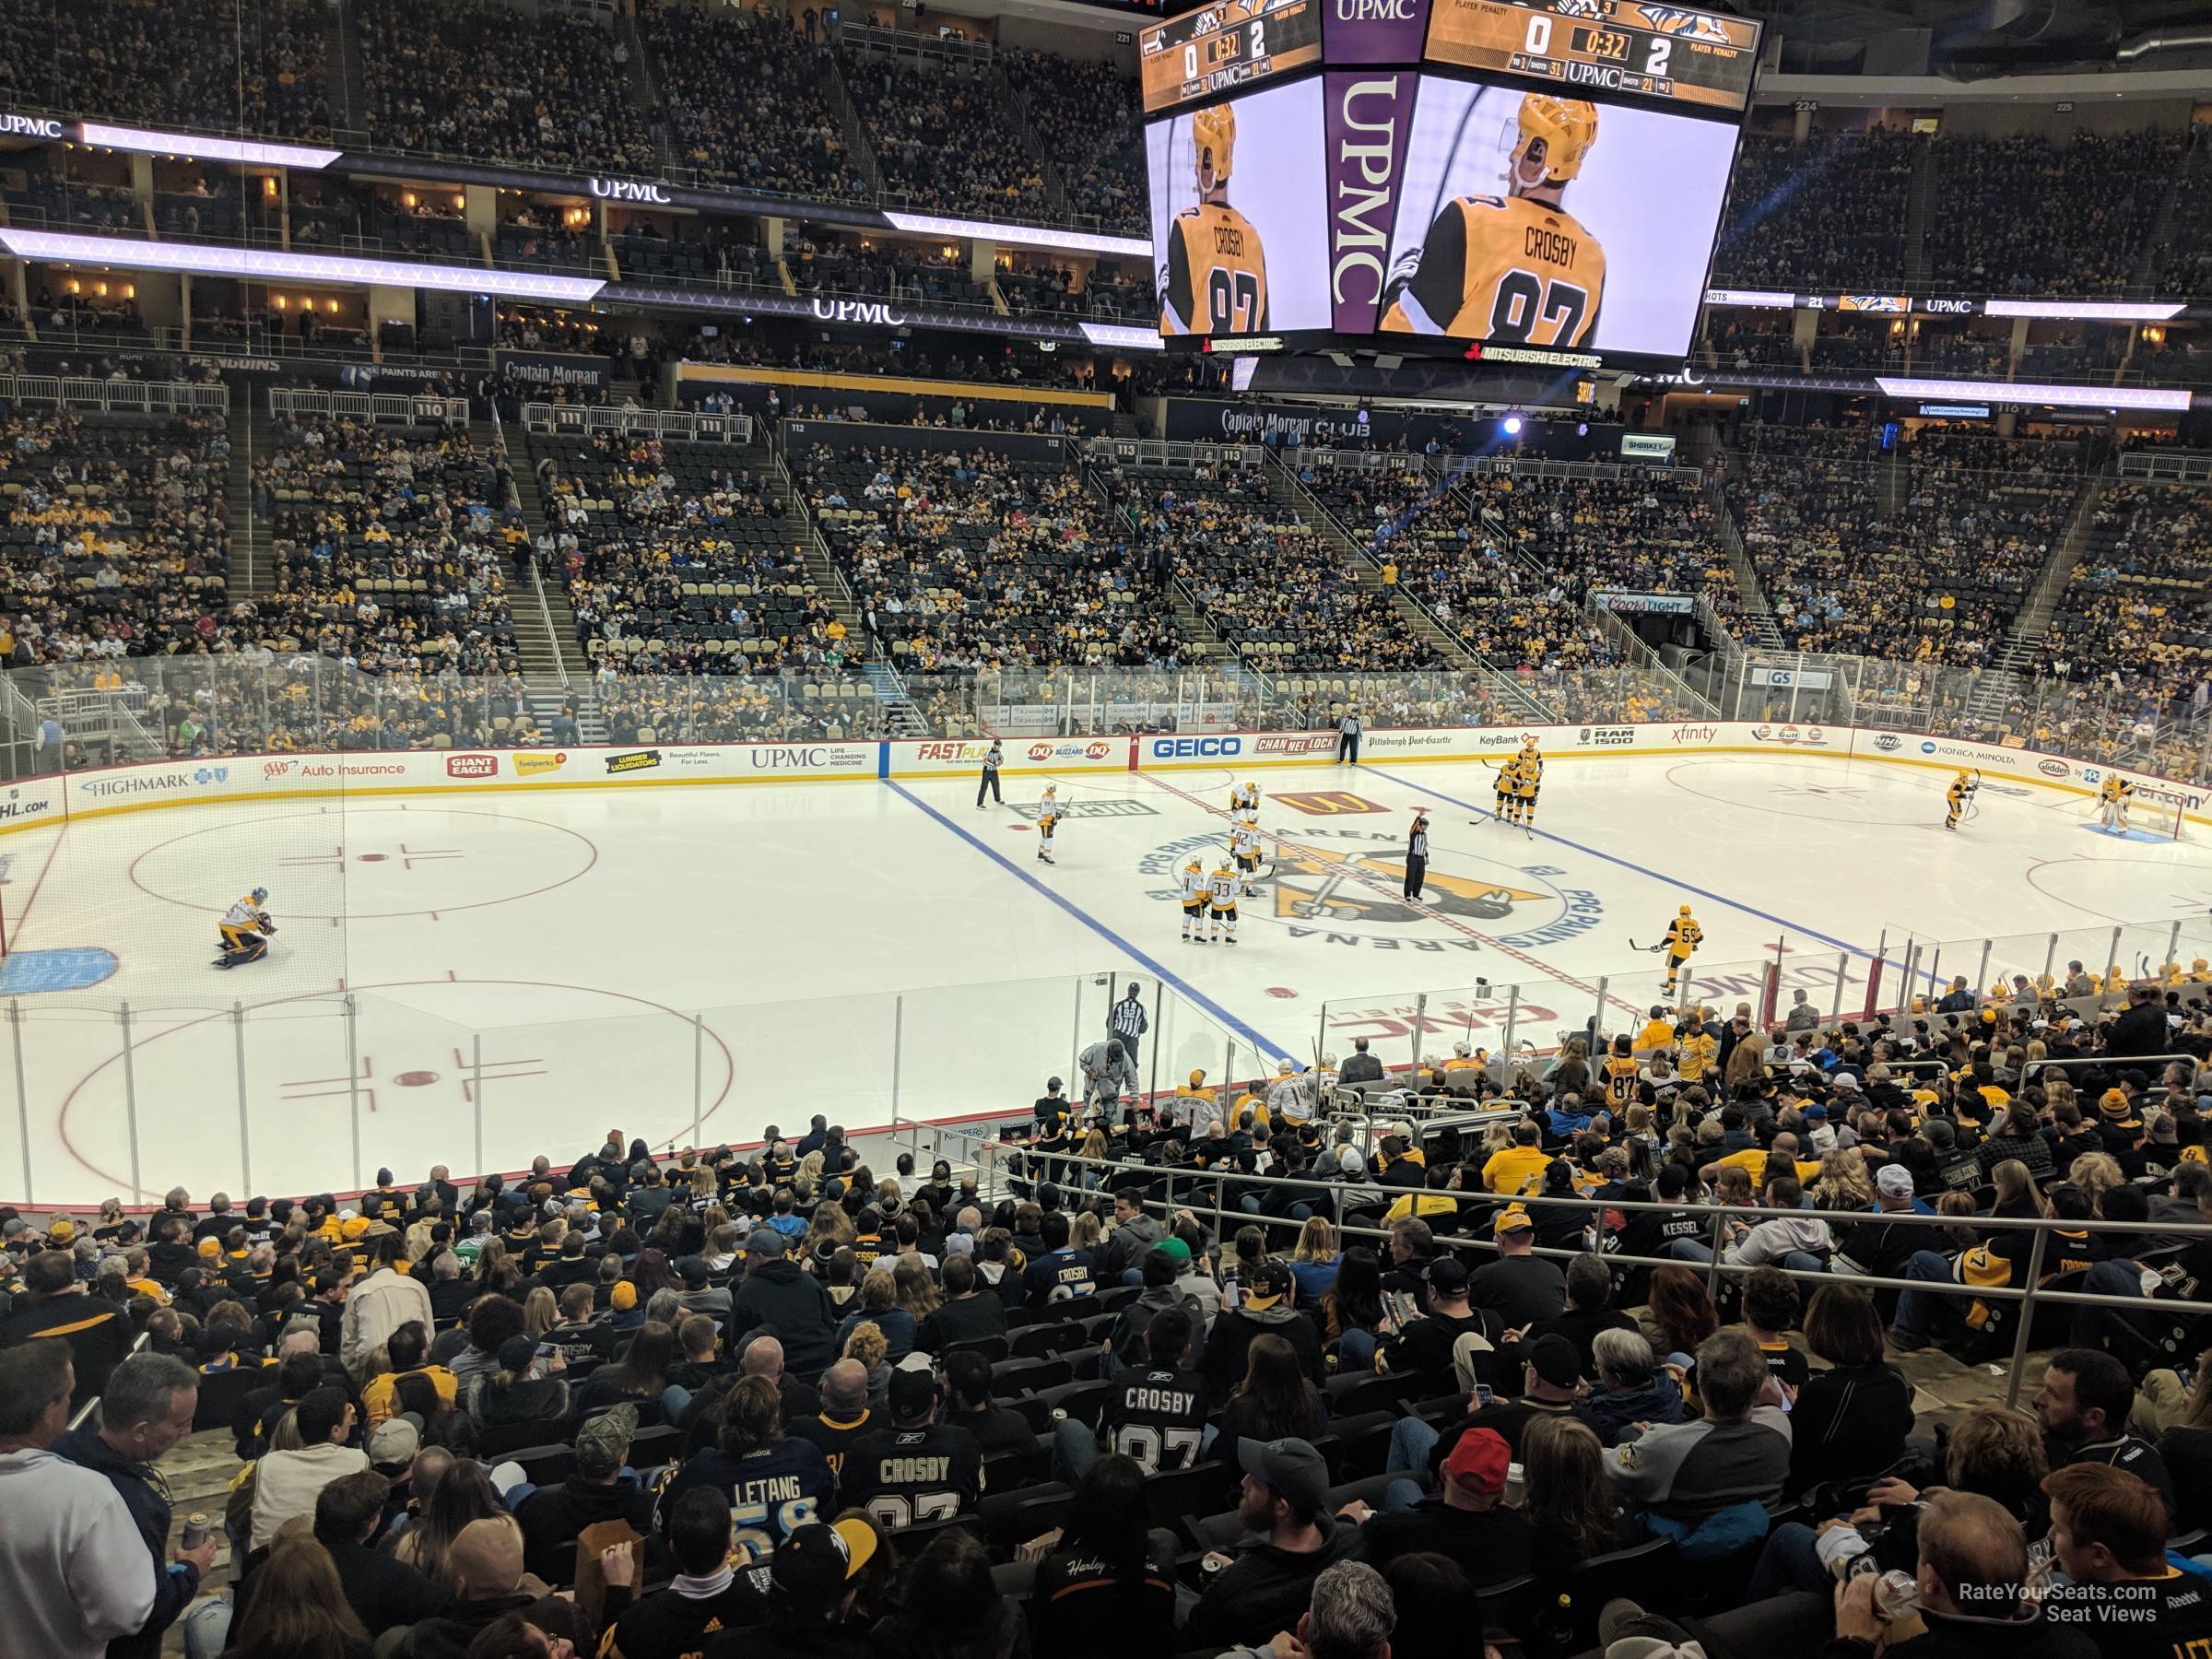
point(2160, 812)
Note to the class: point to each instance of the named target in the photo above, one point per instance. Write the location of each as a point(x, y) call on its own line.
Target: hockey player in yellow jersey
point(1048, 820)
point(1528, 779)
point(1517, 267)
point(1506, 774)
point(1958, 797)
point(2111, 802)
point(1683, 936)
point(1216, 278)
point(1192, 886)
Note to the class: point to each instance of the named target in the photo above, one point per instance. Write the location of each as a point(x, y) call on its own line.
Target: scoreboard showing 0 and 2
point(1632, 46)
point(1227, 47)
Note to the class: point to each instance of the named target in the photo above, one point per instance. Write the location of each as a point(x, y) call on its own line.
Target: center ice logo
point(1345, 886)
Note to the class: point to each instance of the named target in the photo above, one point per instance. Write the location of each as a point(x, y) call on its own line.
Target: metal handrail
point(2028, 1294)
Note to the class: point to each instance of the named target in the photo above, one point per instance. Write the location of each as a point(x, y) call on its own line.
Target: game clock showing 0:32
point(1600, 46)
point(1225, 48)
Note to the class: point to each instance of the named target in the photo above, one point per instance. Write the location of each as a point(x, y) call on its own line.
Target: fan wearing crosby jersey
point(1156, 1416)
point(1217, 272)
point(917, 1470)
point(1516, 267)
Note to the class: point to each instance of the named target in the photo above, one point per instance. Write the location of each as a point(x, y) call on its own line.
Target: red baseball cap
point(1479, 1462)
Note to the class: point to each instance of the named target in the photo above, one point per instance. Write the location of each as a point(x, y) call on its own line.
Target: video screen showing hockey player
point(1533, 219)
point(1237, 226)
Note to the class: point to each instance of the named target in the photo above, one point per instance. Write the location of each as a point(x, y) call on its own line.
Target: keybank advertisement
point(31, 802)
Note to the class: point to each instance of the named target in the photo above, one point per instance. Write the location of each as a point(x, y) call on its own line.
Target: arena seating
point(1087, 113)
point(972, 562)
point(389, 544)
point(1269, 583)
point(2001, 236)
point(117, 536)
point(204, 64)
point(678, 561)
point(1024, 1291)
point(472, 78)
point(1923, 553)
point(943, 139)
point(744, 100)
point(2138, 605)
point(1828, 212)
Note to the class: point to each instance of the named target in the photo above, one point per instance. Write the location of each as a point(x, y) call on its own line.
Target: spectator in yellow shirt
point(1700, 1050)
point(1520, 1166)
point(1658, 1031)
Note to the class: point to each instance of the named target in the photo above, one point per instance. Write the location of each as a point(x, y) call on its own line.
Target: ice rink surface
point(528, 971)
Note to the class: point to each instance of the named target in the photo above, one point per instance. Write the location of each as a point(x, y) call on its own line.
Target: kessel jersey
point(1504, 268)
point(1216, 274)
point(1156, 1418)
point(902, 1476)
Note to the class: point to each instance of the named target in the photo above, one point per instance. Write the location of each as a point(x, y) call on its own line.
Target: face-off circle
point(364, 863)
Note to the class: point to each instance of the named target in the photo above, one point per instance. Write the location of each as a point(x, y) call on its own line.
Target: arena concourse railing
point(2168, 1330)
point(141, 397)
point(409, 407)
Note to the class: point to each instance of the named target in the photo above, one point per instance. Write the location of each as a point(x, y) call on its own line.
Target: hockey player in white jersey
point(1193, 886)
point(1221, 890)
point(1245, 798)
point(244, 929)
point(1245, 846)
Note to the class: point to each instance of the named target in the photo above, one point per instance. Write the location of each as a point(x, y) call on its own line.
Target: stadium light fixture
point(250, 152)
point(265, 265)
point(1023, 236)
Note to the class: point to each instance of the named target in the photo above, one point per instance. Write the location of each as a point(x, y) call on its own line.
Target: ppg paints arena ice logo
point(1345, 886)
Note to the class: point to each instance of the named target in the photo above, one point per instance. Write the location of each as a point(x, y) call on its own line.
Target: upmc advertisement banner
point(1374, 32)
point(1367, 120)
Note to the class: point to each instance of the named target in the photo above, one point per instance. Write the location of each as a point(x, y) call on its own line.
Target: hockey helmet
point(261, 895)
point(1213, 131)
point(1567, 125)
point(1684, 910)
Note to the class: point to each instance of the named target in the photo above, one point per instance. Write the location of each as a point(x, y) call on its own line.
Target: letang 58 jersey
point(1216, 274)
point(1504, 268)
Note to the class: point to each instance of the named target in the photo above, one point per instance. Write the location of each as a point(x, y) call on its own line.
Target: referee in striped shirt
point(1126, 1020)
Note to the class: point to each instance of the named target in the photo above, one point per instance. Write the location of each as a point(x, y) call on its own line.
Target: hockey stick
point(1649, 949)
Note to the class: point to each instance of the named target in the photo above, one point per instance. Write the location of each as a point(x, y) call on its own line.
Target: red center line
point(1353, 868)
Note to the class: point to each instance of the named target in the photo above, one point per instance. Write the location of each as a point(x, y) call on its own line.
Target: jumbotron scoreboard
point(1603, 47)
point(1535, 183)
point(1210, 53)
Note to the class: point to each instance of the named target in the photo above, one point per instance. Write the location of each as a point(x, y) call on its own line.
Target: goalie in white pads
point(2112, 797)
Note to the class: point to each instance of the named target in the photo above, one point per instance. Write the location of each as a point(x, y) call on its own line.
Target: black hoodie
point(795, 1307)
